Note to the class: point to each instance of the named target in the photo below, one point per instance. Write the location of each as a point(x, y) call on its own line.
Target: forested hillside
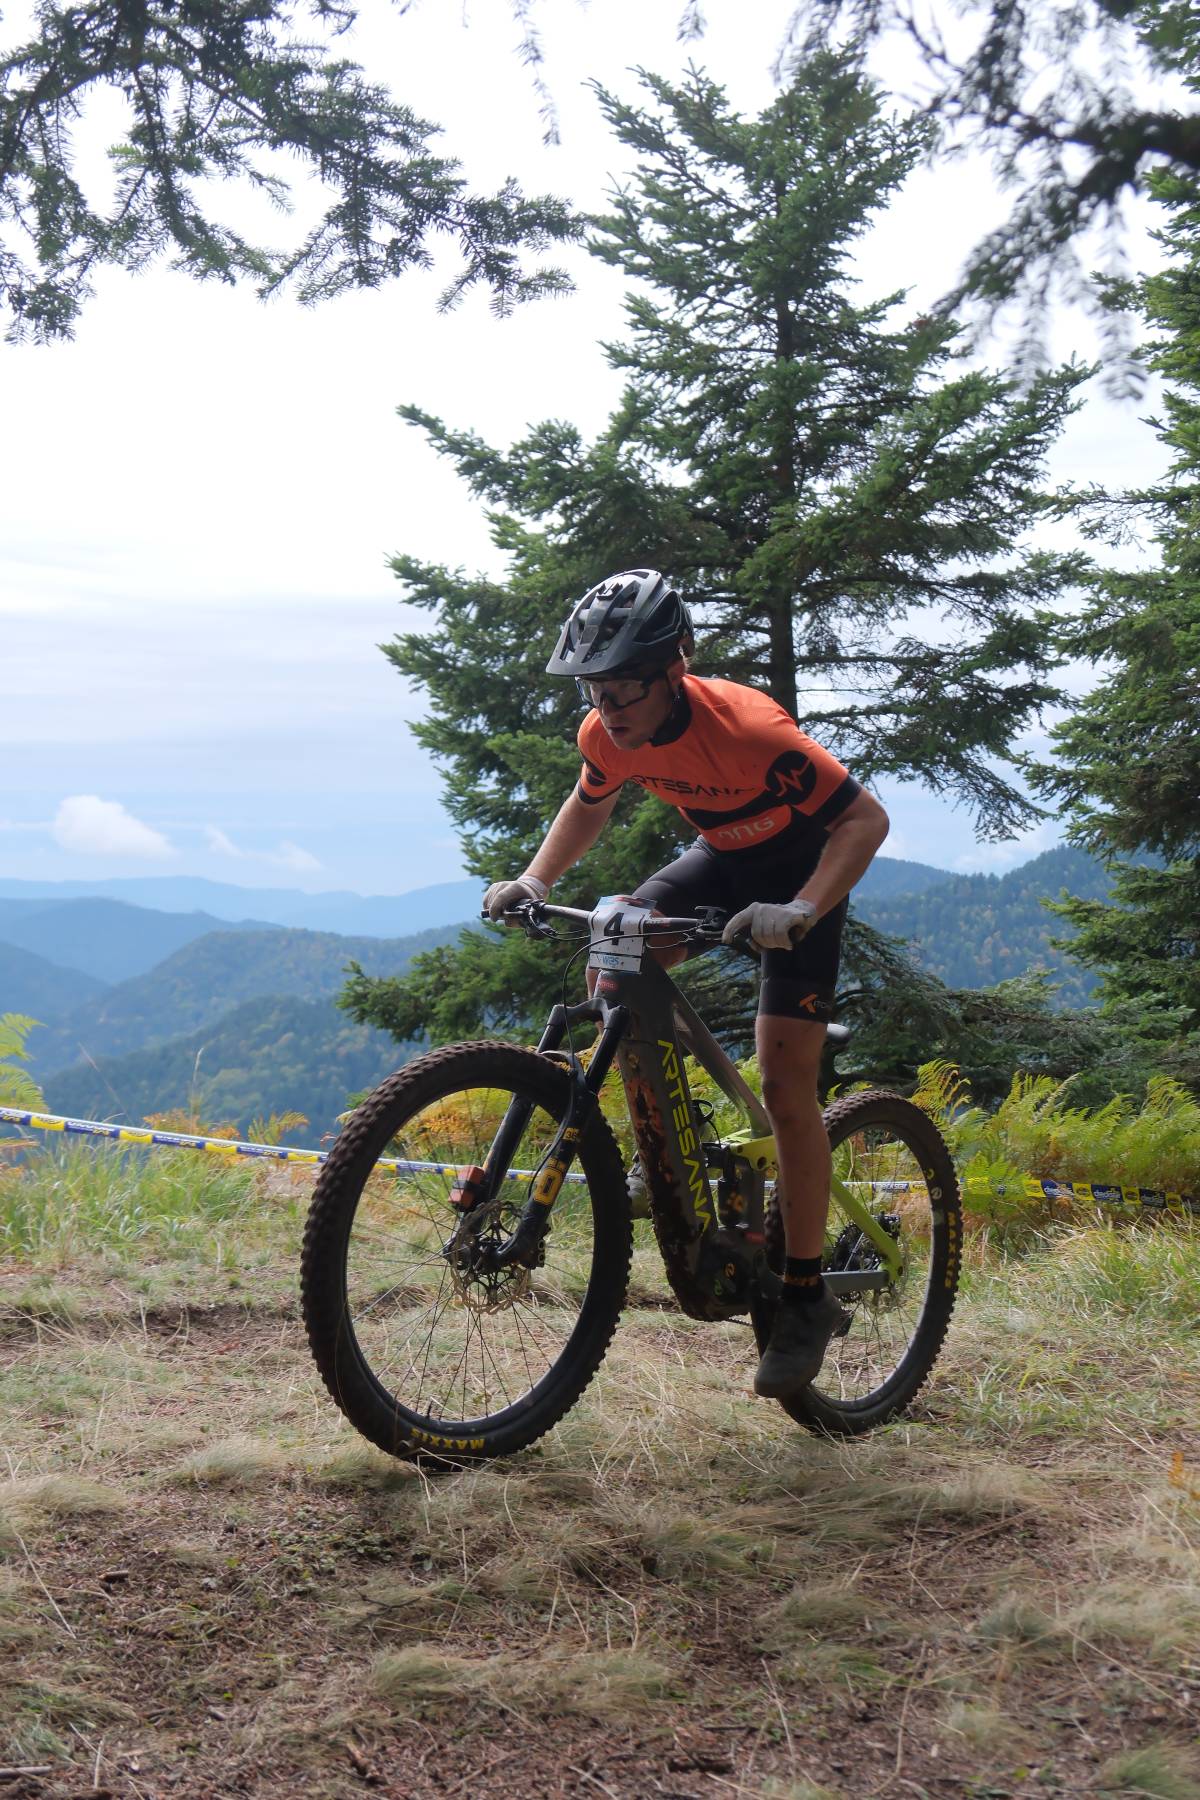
point(975, 930)
point(206, 979)
point(32, 985)
point(107, 939)
point(891, 875)
point(267, 1056)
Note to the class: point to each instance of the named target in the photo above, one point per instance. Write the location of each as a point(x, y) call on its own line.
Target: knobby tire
point(581, 1306)
point(833, 1405)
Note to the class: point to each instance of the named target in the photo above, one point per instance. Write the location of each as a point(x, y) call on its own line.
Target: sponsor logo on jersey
point(748, 831)
point(791, 777)
point(672, 786)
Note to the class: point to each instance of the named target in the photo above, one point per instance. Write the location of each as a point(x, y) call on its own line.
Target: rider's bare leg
point(789, 1057)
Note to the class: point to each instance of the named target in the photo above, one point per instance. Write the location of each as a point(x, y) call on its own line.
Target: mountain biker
point(785, 833)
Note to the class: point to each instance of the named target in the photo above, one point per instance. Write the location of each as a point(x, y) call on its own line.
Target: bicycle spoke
point(445, 1335)
point(879, 1166)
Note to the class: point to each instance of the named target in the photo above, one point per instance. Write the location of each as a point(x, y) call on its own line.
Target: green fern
point(17, 1088)
point(1037, 1132)
point(276, 1128)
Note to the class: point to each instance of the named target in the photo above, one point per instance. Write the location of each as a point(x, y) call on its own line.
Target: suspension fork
point(548, 1181)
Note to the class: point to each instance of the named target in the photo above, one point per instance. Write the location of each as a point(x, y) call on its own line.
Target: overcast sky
point(200, 493)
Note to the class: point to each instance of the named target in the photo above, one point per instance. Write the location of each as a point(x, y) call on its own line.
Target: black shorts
point(797, 983)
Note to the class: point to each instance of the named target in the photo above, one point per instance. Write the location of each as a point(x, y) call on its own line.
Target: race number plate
point(617, 934)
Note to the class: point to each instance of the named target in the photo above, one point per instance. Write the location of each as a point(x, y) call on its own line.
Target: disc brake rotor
point(477, 1287)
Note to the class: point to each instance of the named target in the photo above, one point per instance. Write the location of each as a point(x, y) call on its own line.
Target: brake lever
point(525, 915)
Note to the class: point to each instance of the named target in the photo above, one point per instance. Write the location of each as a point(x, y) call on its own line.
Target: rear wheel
point(892, 1157)
point(427, 1345)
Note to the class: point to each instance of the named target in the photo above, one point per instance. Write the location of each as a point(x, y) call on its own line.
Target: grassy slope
point(207, 1581)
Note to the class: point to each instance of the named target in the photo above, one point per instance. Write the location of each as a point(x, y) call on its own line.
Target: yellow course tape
point(1033, 1188)
point(130, 1134)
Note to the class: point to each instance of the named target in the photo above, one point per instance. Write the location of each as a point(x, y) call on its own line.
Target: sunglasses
point(616, 696)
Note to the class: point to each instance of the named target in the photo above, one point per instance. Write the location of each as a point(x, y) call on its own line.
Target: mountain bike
point(468, 1247)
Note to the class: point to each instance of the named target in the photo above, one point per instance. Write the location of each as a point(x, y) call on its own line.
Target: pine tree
point(1129, 756)
point(1077, 105)
point(213, 93)
point(845, 503)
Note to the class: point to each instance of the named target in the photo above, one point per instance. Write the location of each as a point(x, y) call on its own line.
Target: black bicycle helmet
point(635, 620)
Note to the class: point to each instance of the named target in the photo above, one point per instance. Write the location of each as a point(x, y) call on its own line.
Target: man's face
point(633, 708)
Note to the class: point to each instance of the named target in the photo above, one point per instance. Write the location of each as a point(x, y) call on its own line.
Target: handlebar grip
point(744, 942)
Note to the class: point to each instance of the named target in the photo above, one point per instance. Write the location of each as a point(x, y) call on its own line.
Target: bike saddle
point(837, 1036)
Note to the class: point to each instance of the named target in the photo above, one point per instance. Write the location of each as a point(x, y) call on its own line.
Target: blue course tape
point(1102, 1193)
point(1031, 1188)
point(177, 1140)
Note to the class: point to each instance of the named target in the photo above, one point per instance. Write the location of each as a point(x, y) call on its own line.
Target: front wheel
point(430, 1345)
point(891, 1156)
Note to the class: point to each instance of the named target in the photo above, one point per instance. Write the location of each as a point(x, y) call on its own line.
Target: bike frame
point(713, 1247)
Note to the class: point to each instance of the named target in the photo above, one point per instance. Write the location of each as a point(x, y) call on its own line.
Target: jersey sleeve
point(598, 779)
point(835, 787)
point(804, 774)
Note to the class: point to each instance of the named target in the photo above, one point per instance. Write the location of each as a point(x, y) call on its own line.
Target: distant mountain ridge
point(205, 979)
point(108, 939)
point(41, 989)
point(975, 930)
point(353, 915)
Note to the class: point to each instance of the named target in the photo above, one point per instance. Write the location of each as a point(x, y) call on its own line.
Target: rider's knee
point(789, 1092)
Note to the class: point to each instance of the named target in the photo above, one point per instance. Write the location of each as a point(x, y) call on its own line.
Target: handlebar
point(531, 915)
point(704, 926)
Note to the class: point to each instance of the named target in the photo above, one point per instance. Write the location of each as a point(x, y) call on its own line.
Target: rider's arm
point(574, 831)
point(854, 837)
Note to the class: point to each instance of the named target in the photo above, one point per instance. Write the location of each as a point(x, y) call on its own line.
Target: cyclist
point(785, 832)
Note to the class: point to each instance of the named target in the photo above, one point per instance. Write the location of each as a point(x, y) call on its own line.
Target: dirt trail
point(209, 1587)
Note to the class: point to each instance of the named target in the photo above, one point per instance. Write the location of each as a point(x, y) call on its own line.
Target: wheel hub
point(480, 1283)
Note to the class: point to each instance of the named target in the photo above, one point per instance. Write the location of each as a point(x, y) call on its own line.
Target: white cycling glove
point(503, 894)
point(772, 926)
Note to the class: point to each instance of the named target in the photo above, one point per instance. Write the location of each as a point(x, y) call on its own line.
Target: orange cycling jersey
point(735, 764)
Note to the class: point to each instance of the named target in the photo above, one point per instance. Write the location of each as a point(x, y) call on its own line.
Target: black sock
point(801, 1280)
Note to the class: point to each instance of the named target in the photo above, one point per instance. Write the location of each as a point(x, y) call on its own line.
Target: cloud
point(287, 856)
point(291, 856)
point(218, 842)
point(991, 859)
point(90, 826)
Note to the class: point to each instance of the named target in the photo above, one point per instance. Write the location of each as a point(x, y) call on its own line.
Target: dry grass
point(236, 1462)
point(1158, 1771)
point(592, 1684)
point(203, 1571)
